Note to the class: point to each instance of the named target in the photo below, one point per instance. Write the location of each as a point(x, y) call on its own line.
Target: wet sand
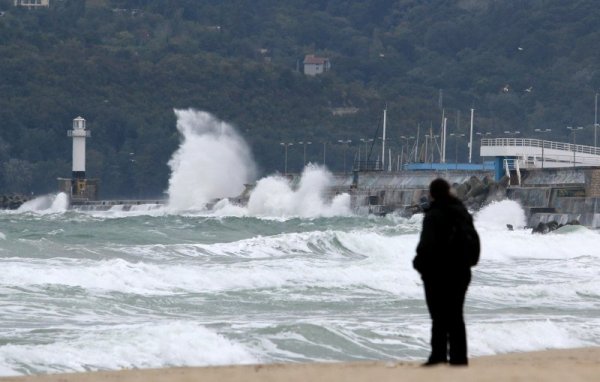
point(553, 365)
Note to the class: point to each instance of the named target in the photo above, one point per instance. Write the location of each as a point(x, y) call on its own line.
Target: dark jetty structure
point(560, 195)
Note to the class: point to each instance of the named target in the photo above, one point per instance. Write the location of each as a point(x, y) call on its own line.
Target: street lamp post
point(429, 140)
point(345, 142)
point(286, 145)
point(304, 143)
point(543, 143)
point(366, 142)
point(574, 131)
point(481, 135)
point(512, 133)
point(456, 136)
point(596, 121)
point(366, 161)
point(406, 139)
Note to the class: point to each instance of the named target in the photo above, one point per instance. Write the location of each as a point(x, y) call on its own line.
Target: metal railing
point(367, 165)
point(512, 164)
point(526, 142)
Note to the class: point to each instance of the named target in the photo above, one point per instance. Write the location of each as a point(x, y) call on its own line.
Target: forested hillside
point(124, 65)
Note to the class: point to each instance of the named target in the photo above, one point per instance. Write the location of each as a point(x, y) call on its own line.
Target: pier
point(122, 204)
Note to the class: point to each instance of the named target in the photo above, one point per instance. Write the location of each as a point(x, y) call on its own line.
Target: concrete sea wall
point(560, 195)
point(381, 192)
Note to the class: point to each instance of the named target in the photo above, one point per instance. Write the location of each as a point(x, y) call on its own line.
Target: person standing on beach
point(448, 248)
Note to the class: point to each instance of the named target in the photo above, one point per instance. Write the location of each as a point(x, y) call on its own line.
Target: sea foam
point(126, 346)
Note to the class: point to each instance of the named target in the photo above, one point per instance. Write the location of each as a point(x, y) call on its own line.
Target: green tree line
point(124, 65)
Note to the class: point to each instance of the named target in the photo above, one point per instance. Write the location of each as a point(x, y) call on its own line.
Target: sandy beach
point(553, 365)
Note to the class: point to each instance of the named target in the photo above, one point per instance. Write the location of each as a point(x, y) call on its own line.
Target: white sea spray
point(212, 161)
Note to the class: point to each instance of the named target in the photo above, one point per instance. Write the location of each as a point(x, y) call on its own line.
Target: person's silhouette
point(446, 273)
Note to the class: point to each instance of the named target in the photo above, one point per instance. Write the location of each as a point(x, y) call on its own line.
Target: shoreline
point(580, 364)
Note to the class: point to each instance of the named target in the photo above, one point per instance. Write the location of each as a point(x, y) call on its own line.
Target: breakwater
point(12, 201)
point(405, 191)
point(560, 195)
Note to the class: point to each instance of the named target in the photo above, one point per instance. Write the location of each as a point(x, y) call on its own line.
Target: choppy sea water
point(152, 288)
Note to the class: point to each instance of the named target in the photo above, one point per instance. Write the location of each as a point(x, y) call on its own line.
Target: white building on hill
point(32, 3)
point(314, 65)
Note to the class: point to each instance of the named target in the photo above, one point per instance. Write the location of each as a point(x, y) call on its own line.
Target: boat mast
point(444, 140)
point(417, 143)
point(383, 139)
point(471, 137)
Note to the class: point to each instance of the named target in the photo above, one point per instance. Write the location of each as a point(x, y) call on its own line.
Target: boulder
point(504, 181)
point(541, 228)
point(462, 190)
point(12, 202)
point(477, 189)
point(474, 181)
point(552, 225)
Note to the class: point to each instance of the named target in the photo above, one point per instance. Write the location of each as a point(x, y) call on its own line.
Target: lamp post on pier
point(596, 120)
point(543, 142)
point(481, 135)
point(574, 130)
point(286, 145)
point(456, 136)
point(346, 143)
point(429, 141)
point(304, 143)
point(406, 139)
point(366, 142)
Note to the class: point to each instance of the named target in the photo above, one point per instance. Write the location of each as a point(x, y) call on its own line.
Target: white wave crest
point(126, 347)
point(327, 259)
point(490, 337)
point(56, 203)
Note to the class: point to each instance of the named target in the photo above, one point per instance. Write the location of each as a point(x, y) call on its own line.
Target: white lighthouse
point(79, 188)
point(79, 134)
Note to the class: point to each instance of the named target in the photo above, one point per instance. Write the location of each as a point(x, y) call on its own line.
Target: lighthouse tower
point(79, 188)
point(79, 134)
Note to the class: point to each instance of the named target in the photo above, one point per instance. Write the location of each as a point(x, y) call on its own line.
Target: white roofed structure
point(538, 153)
point(32, 4)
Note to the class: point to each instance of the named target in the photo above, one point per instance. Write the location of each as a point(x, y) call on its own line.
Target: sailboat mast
point(471, 137)
point(383, 138)
point(417, 143)
point(444, 141)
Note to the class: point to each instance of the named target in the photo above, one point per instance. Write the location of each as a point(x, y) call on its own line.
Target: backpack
point(465, 239)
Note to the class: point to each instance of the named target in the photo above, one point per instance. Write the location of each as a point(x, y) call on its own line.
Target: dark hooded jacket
point(438, 252)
